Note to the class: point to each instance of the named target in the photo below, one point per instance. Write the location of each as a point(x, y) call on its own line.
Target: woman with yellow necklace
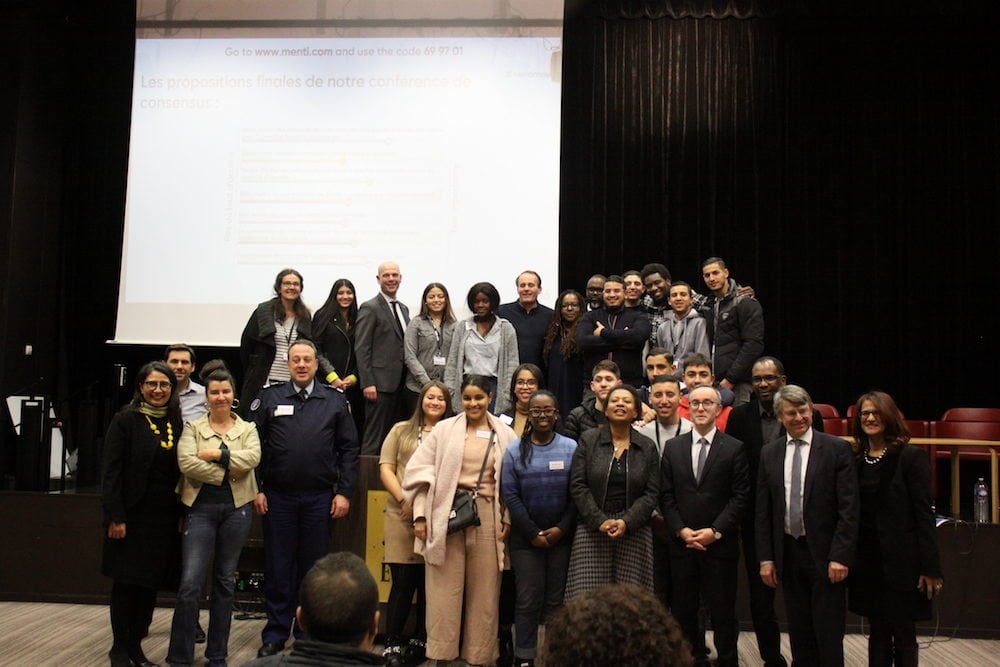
point(141, 512)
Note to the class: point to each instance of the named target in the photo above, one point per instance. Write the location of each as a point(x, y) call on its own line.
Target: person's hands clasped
point(700, 539)
point(116, 531)
point(614, 528)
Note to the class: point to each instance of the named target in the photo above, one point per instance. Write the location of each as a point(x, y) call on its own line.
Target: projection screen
point(268, 135)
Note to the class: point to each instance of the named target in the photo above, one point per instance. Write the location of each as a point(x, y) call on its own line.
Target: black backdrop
point(844, 163)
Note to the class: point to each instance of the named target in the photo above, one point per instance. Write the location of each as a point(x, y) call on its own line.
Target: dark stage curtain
point(845, 165)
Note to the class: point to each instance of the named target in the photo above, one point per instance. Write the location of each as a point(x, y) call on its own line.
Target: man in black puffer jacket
point(735, 329)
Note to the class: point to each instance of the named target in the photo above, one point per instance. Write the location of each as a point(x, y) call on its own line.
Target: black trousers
point(765, 622)
point(700, 574)
point(816, 608)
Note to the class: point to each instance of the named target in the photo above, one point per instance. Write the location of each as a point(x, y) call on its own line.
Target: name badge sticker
point(506, 419)
point(284, 410)
point(557, 465)
point(483, 434)
point(440, 360)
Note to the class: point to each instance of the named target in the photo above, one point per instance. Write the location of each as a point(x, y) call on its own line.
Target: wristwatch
point(718, 535)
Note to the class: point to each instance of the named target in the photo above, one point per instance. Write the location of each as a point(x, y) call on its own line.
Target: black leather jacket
point(589, 478)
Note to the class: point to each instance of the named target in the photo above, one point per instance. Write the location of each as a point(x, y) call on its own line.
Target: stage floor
point(52, 634)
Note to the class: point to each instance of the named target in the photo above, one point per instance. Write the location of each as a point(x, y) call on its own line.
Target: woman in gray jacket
point(486, 345)
point(427, 340)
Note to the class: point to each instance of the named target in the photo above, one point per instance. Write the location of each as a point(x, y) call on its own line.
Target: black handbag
point(463, 506)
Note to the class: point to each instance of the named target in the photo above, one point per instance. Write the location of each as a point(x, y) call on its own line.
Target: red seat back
point(971, 415)
point(969, 431)
point(827, 410)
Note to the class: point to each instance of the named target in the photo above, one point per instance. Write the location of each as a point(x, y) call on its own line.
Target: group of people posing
point(638, 438)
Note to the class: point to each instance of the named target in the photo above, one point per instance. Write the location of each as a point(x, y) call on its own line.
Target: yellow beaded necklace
point(169, 442)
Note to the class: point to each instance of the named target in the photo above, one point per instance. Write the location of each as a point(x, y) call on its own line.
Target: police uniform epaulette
point(271, 388)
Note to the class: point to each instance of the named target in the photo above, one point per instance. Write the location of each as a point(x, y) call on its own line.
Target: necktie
point(303, 394)
point(396, 316)
point(702, 455)
point(795, 526)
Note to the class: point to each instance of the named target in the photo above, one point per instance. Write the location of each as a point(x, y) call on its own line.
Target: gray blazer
point(420, 344)
point(378, 343)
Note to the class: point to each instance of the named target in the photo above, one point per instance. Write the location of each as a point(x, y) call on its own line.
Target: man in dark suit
point(378, 342)
point(807, 528)
point(704, 488)
point(754, 424)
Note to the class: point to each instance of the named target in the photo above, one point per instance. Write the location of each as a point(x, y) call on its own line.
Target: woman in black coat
point(141, 511)
point(333, 333)
point(614, 481)
point(898, 571)
point(272, 328)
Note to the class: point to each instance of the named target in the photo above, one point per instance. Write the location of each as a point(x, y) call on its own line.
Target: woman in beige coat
point(405, 566)
point(217, 455)
point(466, 564)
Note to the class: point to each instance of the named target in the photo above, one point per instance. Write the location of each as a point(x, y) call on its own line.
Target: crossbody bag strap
point(482, 468)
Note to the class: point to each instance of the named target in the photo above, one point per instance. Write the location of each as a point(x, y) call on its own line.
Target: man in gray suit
point(378, 342)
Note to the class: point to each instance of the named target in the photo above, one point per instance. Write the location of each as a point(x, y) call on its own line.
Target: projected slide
point(330, 155)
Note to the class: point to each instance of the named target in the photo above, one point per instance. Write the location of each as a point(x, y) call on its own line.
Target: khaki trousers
point(470, 571)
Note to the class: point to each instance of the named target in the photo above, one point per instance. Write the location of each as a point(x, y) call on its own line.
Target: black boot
point(119, 657)
point(506, 641)
point(415, 652)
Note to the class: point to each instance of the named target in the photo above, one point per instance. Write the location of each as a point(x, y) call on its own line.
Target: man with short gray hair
point(807, 535)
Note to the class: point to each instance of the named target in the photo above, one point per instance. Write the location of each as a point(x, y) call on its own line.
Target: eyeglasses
point(286, 283)
point(526, 383)
point(757, 379)
point(702, 404)
point(542, 412)
point(865, 414)
point(150, 384)
point(570, 306)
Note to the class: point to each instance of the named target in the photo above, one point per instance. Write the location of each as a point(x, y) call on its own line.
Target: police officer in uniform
point(307, 474)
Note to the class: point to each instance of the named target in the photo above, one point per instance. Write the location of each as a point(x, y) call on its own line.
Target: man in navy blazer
point(807, 528)
point(378, 342)
point(704, 489)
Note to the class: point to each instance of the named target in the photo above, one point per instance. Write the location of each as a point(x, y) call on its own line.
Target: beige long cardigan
point(432, 479)
point(244, 455)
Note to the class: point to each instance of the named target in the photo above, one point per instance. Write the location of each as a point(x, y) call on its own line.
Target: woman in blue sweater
point(535, 487)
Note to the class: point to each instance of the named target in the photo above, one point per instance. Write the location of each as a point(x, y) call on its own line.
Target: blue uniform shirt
point(306, 446)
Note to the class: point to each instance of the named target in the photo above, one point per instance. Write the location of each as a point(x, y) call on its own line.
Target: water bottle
point(981, 502)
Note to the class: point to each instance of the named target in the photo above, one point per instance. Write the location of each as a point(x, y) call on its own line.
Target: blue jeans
point(210, 527)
